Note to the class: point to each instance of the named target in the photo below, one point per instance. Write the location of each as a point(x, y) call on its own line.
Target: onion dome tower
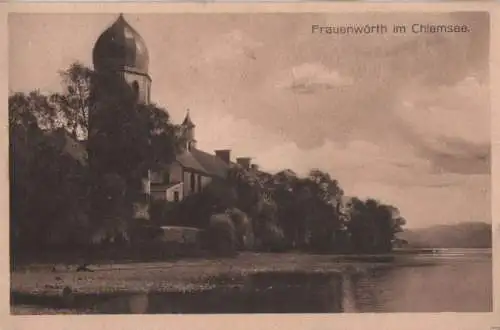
point(121, 59)
point(121, 50)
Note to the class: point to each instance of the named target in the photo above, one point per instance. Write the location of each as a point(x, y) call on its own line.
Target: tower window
point(135, 89)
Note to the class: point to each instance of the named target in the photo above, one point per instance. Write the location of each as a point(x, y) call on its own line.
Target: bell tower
point(188, 129)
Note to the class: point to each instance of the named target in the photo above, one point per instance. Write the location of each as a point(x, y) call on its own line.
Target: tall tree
point(373, 225)
point(321, 197)
point(32, 109)
point(309, 208)
point(125, 139)
point(285, 185)
point(40, 158)
point(74, 102)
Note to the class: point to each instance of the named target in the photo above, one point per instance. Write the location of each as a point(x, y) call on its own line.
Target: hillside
point(462, 235)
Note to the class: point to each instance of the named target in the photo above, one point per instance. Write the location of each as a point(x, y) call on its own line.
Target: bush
point(221, 235)
point(243, 228)
point(272, 238)
point(163, 213)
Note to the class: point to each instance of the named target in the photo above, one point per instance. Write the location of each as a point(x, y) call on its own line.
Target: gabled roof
point(187, 160)
point(211, 163)
point(203, 162)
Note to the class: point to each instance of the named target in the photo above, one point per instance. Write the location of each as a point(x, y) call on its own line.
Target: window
point(199, 183)
point(193, 182)
point(176, 196)
point(166, 176)
point(135, 89)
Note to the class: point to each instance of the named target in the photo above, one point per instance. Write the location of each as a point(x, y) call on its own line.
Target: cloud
point(311, 77)
point(449, 125)
point(229, 46)
point(223, 131)
point(360, 159)
point(395, 174)
point(459, 156)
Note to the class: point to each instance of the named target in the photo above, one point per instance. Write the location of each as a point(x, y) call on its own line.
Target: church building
point(122, 51)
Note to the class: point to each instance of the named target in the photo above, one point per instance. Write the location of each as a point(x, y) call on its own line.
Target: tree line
point(285, 211)
point(77, 159)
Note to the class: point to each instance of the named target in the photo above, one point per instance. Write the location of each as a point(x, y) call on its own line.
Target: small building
point(191, 171)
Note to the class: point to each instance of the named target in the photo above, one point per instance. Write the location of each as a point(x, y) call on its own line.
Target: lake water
point(448, 281)
point(457, 282)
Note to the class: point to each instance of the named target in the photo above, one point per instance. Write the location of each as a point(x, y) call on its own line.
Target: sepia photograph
point(237, 163)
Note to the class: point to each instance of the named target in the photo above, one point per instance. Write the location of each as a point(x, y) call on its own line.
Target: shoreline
point(41, 291)
point(178, 276)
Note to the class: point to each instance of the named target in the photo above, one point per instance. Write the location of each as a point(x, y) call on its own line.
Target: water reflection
point(260, 293)
point(447, 287)
point(454, 286)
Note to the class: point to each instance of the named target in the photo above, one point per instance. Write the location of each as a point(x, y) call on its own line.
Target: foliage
point(272, 238)
point(164, 213)
point(308, 213)
point(37, 164)
point(243, 228)
point(127, 139)
point(92, 145)
point(373, 226)
point(221, 235)
point(74, 103)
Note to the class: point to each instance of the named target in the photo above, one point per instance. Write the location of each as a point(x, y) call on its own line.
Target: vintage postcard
point(324, 160)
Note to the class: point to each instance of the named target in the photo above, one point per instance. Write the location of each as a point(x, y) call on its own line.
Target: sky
point(403, 118)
